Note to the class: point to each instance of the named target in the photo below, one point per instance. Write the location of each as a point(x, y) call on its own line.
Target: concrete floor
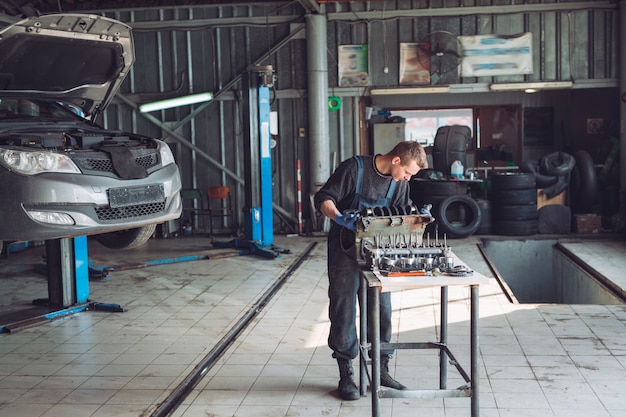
point(536, 360)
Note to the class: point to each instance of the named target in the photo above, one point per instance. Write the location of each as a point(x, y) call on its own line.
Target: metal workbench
point(374, 282)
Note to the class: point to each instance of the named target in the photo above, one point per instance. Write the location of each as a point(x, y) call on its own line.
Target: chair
point(220, 205)
point(194, 208)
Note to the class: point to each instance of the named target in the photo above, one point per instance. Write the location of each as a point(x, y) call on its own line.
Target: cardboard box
point(587, 223)
point(543, 200)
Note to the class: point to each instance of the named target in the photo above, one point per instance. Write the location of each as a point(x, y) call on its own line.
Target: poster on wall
point(491, 55)
point(414, 63)
point(353, 66)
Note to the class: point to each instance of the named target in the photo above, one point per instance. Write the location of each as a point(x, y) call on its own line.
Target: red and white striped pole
point(299, 199)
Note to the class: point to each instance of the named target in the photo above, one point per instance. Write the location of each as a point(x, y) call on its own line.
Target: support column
point(622, 105)
point(319, 149)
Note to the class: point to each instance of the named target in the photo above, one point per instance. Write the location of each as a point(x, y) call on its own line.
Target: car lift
point(258, 220)
point(68, 266)
point(68, 273)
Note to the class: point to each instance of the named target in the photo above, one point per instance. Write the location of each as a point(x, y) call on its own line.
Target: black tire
point(513, 197)
point(557, 164)
point(557, 188)
point(443, 188)
point(522, 212)
point(512, 181)
point(458, 216)
point(515, 227)
point(531, 166)
point(126, 239)
point(486, 214)
point(583, 183)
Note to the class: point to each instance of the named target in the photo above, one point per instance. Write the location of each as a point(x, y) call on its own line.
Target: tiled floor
point(536, 360)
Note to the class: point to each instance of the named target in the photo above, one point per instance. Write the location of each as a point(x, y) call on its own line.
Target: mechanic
point(361, 182)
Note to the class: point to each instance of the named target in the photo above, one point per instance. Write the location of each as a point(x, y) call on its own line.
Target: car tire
point(486, 216)
point(531, 166)
point(514, 197)
point(583, 183)
point(126, 239)
point(515, 212)
point(458, 216)
point(512, 181)
point(557, 164)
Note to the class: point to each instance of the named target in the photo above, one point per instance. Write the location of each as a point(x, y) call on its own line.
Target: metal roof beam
point(477, 10)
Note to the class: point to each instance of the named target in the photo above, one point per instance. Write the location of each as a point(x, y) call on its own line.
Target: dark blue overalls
point(344, 281)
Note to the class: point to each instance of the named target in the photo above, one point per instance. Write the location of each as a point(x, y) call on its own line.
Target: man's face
point(403, 172)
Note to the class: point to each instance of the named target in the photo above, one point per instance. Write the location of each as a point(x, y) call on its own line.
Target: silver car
point(62, 175)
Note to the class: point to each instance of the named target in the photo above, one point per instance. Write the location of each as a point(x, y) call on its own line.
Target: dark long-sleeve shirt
point(341, 185)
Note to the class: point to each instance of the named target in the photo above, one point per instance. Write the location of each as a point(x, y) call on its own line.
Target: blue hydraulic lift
point(68, 266)
point(258, 214)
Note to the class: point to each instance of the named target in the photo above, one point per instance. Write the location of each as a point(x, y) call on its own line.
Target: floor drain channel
point(188, 384)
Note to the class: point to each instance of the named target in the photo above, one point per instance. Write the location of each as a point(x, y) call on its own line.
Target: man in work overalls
point(358, 183)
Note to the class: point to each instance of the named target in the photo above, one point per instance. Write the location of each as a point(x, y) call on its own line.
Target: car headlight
point(36, 162)
point(166, 153)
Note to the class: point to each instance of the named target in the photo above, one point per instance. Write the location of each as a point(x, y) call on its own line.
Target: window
point(422, 125)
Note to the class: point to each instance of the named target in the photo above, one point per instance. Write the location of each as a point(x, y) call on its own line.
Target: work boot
point(347, 388)
point(385, 379)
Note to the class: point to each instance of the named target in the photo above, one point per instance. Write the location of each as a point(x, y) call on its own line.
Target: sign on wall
point(491, 55)
point(353, 66)
point(414, 63)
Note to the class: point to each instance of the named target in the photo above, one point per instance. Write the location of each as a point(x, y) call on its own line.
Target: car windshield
point(18, 109)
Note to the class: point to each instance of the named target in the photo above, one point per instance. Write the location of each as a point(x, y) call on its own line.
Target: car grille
point(104, 163)
point(129, 212)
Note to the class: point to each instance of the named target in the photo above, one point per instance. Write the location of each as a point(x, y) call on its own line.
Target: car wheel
point(126, 239)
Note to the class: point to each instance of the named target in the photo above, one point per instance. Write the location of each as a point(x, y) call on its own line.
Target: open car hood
point(75, 58)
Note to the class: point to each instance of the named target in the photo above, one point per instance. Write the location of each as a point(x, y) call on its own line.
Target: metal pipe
point(188, 384)
point(443, 338)
point(622, 103)
point(317, 51)
point(475, 370)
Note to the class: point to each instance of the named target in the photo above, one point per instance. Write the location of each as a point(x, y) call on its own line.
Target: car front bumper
point(84, 198)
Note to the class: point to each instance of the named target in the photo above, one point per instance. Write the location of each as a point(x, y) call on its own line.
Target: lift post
point(68, 271)
point(258, 217)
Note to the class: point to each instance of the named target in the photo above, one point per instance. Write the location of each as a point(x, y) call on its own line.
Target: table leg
point(375, 355)
point(443, 339)
point(364, 341)
point(475, 371)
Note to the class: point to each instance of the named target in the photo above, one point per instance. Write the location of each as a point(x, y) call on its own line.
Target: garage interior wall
point(184, 50)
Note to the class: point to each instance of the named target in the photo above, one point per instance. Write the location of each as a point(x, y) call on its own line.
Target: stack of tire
point(513, 203)
point(553, 174)
point(456, 214)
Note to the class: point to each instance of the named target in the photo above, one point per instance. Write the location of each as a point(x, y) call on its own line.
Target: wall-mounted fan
point(441, 51)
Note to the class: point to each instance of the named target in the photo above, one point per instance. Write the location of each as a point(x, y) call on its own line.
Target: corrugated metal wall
point(195, 49)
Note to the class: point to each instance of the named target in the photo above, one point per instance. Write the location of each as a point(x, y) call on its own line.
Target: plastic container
point(456, 170)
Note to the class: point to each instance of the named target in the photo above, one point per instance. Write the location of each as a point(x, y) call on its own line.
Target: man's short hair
point(408, 151)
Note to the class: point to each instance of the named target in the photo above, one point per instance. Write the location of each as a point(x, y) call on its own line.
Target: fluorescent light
point(410, 90)
point(175, 102)
point(532, 86)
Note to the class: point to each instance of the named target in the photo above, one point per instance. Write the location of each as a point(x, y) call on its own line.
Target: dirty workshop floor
point(195, 331)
